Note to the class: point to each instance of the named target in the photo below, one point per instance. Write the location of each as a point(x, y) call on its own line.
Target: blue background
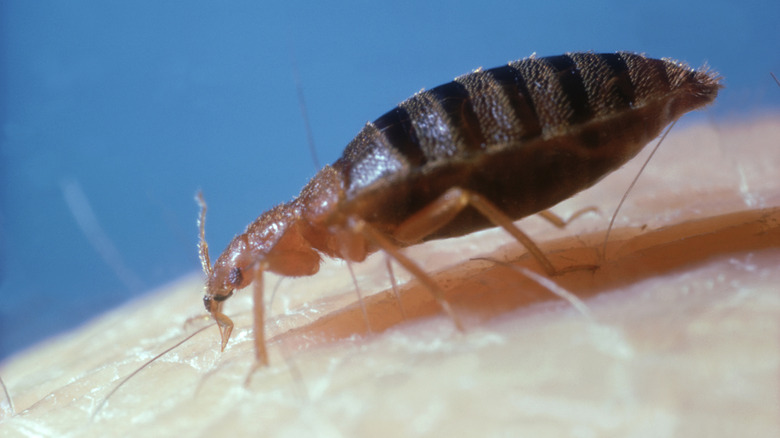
point(128, 108)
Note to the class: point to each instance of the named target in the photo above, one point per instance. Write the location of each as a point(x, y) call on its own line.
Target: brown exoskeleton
point(489, 148)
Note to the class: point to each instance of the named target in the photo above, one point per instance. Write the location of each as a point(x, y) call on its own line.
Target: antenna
point(203, 247)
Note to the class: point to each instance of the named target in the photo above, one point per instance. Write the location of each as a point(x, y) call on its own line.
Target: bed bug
point(484, 150)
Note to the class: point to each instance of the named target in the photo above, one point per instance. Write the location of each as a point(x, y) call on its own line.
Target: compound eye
point(207, 302)
point(235, 277)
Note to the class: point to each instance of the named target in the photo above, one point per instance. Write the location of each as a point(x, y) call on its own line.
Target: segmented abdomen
point(527, 134)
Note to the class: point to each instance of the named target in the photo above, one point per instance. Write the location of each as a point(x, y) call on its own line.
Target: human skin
point(680, 335)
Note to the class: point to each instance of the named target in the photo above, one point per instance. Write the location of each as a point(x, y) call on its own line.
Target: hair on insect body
point(489, 148)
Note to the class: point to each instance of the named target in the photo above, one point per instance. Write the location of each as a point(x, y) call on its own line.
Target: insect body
point(484, 150)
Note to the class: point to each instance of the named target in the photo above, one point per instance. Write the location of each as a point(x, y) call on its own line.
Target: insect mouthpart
point(208, 299)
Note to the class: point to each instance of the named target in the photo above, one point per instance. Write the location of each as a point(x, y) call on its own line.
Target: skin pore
point(681, 334)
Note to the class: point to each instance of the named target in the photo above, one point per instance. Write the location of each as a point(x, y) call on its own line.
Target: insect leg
point(362, 228)
point(258, 325)
point(359, 295)
point(446, 208)
point(559, 222)
point(397, 294)
point(261, 354)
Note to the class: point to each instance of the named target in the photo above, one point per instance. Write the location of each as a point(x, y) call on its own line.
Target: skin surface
point(680, 336)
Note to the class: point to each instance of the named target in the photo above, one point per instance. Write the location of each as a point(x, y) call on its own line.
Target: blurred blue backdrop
point(115, 113)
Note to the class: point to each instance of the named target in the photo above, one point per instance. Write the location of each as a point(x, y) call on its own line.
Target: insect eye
point(235, 277)
point(207, 302)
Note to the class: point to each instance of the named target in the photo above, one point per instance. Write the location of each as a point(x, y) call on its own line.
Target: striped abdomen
point(526, 135)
